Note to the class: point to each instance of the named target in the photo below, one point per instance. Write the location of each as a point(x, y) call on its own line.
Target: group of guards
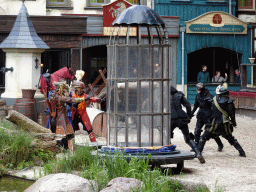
point(216, 113)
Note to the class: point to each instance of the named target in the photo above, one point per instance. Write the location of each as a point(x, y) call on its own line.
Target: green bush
point(45, 155)
point(70, 162)
point(19, 150)
point(16, 147)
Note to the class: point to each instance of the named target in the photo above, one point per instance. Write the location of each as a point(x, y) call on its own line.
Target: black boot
point(192, 144)
point(201, 145)
point(197, 135)
point(64, 143)
point(219, 143)
point(239, 148)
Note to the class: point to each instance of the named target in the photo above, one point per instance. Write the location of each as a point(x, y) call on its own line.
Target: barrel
point(43, 117)
point(25, 100)
point(21, 100)
point(26, 108)
point(98, 120)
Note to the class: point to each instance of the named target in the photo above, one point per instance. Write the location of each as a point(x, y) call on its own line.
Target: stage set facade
point(78, 37)
point(210, 35)
point(200, 33)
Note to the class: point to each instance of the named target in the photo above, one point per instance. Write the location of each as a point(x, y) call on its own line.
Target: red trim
point(101, 35)
point(173, 35)
point(64, 14)
point(157, 36)
point(247, 94)
point(245, 8)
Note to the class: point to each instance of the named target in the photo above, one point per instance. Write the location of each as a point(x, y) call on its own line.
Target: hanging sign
point(112, 11)
point(216, 22)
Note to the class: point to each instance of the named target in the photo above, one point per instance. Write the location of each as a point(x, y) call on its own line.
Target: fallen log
point(44, 138)
point(25, 123)
point(46, 145)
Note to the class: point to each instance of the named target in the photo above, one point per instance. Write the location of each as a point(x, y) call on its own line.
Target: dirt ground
point(225, 170)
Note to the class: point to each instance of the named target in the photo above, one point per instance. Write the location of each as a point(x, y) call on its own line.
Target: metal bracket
point(4, 70)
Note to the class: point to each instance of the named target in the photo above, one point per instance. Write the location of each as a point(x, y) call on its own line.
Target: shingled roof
point(23, 34)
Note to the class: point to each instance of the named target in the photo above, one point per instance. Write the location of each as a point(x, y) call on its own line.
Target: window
point(58, 3)
point(2, 64)
point(96, 65)
point(98, 2)
point(245, 4)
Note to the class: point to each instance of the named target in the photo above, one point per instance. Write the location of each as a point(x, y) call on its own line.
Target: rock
point(62, 182)
point(122, 184)
point(191, 184)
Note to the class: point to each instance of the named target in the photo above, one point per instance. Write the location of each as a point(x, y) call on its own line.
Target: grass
point(69, 163)
point(17, 152)
point(102, 170)
point(15, 146)
point(15, 149)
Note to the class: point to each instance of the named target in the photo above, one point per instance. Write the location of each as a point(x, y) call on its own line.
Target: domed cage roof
point(139, 15)
point(139, 21)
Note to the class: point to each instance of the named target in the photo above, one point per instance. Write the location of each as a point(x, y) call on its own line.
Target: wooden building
point(63, 34)
point(210, 35)
point(78, 40)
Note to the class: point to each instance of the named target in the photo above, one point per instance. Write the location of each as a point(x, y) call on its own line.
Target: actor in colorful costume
point(79, 113)
point(58, 112)
point(46, 85)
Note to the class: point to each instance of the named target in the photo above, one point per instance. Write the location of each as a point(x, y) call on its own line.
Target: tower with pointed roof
point(23, 49)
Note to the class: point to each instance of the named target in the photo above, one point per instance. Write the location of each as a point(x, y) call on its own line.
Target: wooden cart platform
point(176, 157)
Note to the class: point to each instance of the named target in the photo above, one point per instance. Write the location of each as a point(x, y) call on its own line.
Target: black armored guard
point(203, 102)
point(180, 119)
point(222, 121)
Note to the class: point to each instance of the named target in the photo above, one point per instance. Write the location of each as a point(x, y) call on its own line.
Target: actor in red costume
point(79, 113)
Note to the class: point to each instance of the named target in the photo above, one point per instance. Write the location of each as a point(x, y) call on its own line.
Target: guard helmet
point(221, 89)
point(199, 86)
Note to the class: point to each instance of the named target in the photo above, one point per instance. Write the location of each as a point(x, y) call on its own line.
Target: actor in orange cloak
point(79, 113)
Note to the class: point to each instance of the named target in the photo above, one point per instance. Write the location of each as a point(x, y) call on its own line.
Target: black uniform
point(180, 118)
point(221, 122)
point(203, 101)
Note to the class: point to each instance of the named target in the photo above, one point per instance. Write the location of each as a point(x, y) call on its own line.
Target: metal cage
point(138, 100)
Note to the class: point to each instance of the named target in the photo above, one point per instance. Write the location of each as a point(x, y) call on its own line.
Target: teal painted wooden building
point(210, 35)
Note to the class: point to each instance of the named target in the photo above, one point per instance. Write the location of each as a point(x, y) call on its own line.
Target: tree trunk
point(44, 138)
point(25, 123)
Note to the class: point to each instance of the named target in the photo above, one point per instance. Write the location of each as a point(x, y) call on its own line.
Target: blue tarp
point(140, 150)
